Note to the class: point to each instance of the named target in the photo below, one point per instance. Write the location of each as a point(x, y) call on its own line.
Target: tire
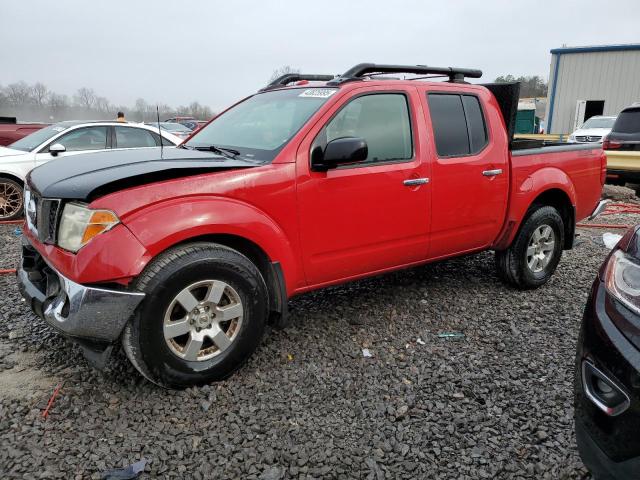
point(201, 269)
point(11, 199)
point(514, 264)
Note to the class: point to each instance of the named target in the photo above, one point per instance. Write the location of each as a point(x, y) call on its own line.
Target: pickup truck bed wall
point(10, 132)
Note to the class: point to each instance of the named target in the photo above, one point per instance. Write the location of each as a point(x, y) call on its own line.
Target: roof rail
point(287, 78)
point(355, 73)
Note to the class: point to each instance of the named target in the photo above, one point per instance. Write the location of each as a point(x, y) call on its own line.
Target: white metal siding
point(610, 76)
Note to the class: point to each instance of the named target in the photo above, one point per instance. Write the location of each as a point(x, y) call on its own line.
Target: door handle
point(412, 182)
point(492, 173)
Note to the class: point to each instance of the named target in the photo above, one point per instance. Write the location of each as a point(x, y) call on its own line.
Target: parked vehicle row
point(61, 140)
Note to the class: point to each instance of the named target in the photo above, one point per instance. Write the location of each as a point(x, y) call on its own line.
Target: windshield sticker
point(58, 129)
point(318, 93)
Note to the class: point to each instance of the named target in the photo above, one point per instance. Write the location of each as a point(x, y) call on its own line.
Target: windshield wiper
point(227, 152)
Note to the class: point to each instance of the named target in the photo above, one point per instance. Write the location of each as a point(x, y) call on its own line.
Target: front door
point(372, 215)
point(79, 140)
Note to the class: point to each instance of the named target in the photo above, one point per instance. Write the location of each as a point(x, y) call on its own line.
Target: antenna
point(160, 133)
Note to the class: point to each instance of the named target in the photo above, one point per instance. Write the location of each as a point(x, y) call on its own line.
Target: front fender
point(168, 223)
point(524, 193)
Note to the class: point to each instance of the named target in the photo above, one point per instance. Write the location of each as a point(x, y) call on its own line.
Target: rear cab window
point(459, 126)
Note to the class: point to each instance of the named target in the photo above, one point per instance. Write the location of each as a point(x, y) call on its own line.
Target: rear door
point(374, 215)
point(133, 137)
point(470, 171)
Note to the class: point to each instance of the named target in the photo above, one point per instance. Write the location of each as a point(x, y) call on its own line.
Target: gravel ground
point(495, 403)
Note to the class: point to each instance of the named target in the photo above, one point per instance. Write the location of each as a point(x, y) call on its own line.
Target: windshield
point(174, 127)
point(261, 125)
point(599, 122)
point(30, 142)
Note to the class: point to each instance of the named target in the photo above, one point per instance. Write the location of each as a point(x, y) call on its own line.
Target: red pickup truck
point(184, 254)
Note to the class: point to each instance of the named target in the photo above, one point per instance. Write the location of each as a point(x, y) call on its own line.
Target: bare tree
point(85, 98)
point(278, 72)
point(58, 104)
point(141, 108)
point(103, 105)
point(18, 94)
point(40, 93)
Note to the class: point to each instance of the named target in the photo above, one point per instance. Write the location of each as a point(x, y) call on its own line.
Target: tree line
point(530, 86)
point(40, 104)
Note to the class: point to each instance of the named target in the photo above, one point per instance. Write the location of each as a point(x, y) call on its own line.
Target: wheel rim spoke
point(187, 300)
point(230, 312)
point(192, 348)
point(177, 328)
point(216, 290)
point(220, 338)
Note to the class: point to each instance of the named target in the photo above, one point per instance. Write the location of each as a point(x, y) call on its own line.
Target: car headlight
point(622, 280)
point(572, 138)
point(80, 224)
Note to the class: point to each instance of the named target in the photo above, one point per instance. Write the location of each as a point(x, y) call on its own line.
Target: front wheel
point(535, 252)
point(202, 317)
point(11, 199)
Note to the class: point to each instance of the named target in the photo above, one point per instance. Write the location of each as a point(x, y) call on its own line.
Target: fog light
point(603, 392)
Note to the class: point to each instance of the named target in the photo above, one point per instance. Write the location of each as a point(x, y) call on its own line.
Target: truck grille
point(41, 215)
point(588, 138)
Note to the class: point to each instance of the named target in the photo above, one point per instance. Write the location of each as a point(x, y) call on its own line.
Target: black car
point(607, 385)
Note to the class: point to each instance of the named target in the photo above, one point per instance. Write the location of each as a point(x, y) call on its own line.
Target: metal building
point(588, 81)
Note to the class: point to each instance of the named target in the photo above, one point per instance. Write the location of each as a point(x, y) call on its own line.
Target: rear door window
point(458, 123)
point(130, 137)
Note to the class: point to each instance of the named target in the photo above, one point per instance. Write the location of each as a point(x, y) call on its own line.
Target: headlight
point(80, 224)
point(622, 280)
point(572, 138)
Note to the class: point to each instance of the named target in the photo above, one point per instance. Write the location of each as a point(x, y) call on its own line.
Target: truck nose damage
point(95, 315)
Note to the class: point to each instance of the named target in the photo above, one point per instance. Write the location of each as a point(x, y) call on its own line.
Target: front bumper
point(88, 314)
point(608, 442)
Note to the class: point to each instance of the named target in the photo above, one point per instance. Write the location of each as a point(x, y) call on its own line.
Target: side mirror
point(57, 148)
point(337, 152)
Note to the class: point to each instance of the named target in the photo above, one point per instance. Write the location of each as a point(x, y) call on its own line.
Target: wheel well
point(12, 177)
point(560, 201)
point(277, 301)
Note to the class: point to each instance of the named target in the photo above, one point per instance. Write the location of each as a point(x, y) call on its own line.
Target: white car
point(593, 130)
point(63, 139)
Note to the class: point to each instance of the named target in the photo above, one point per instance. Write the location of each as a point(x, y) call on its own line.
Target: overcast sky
point(219, 51)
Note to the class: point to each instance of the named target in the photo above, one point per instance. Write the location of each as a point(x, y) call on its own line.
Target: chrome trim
point(95, 313)
point(412, 182)
point(492, 173)
point(601, 207)
point(612, 412)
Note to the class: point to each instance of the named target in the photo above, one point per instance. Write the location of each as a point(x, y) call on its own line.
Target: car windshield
point(32, 141)
point(174, 127)
point(260, 126)
point(599, 122)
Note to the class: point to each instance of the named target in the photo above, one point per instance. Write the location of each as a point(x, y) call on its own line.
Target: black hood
point(87, 176)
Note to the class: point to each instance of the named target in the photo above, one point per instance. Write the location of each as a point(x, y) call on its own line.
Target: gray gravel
point(496, 403)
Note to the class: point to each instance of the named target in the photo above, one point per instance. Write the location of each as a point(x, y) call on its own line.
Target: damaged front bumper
point(93, 317)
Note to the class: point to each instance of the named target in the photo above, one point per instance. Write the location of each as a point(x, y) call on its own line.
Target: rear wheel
point(535, 252)
point(203, 316)
point(11, 199)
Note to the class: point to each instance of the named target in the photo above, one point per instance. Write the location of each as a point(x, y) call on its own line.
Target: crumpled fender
point(524, 192)
point(210, 215)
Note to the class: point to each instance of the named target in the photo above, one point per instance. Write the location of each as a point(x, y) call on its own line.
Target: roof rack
point(287, 78)
point(356, 73)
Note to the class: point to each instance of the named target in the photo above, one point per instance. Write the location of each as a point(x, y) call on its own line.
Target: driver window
point(87, 138)
point(382, 120)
